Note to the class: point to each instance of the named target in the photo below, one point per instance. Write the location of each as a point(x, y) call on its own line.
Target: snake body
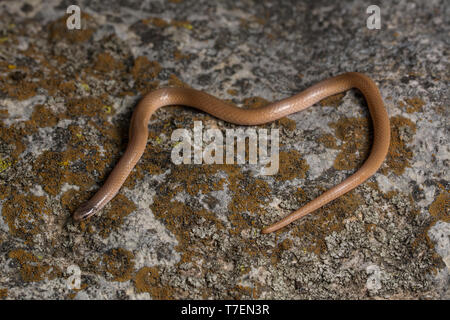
point(154, 100)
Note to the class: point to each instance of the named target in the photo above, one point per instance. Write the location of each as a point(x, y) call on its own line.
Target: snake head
point(84, 211)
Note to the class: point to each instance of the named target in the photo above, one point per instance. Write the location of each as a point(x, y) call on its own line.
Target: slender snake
point(154, 100)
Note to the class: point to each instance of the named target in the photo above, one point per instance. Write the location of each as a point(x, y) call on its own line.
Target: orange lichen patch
point(354, 133)
point(232, 92)
point(67, 88)
point(25, 215)
point(328, 140)
point(253, 292)
point(160, 23)
point(53, 169)
point(48, 63)
point(88, 106)
point(43, 117)
point(153, 161)
point(292, 165)
point(119, 263)
point(147, 279)
point(74, 292)
point(51, 84)
point(180, 218)
point(32, 268)
point(254, 102)
point(325, 221)
point(157, 22)
point(71, 199)
point(144, 69)
point(105, 63)
point(49, 167)
point(174, 81)
point(58, 30)
point(346, 162)
point(22, 83)
point(251, 198)
point(5, 191)
point(373, 185)
point(287, 123)
point(143, 72)
point(113, 217)
point(127, 93)
point(399, 153)
point(83, 162)
point(284, 245)
point(440, 208)
point(332, 101)
point(3, 294)
point(350, 128)
point(20, 90)
point(422, 237)
point(412, 105)
point(4, 114)
point(196, 179)
point(178, 55)
point(390, 194)
point(299, 195)
point(111, 136)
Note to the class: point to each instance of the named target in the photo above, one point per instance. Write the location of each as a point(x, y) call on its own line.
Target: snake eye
point(84, 211)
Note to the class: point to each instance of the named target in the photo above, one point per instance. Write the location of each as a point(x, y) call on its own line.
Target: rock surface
point(192, 231)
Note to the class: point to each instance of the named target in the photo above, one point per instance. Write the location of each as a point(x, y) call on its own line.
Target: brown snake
point(200, 100)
